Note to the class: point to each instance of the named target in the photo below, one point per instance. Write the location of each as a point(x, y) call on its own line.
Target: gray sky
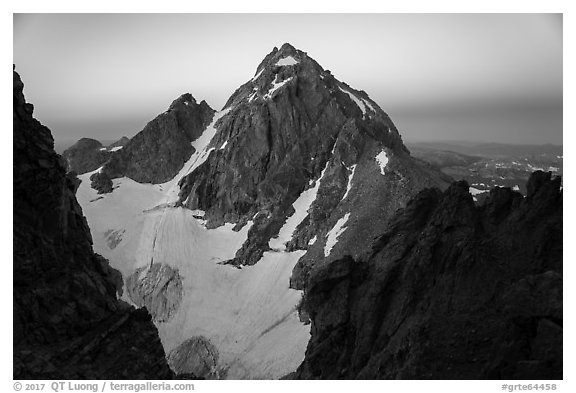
point(479, 77)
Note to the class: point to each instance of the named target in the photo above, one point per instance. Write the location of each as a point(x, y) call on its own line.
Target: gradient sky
point(474, 77)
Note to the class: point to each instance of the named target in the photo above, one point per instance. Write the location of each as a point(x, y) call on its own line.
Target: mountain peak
point(186, 99)
point(288, 49)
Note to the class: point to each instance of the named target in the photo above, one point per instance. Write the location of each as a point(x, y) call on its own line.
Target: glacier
point(249, 314)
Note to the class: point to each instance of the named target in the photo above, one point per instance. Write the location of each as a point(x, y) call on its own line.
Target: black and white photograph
point(288, 196)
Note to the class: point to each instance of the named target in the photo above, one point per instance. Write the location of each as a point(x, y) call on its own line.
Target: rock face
point(449, 290)
point(119, 143)
point(86, 155)
point(68, 322)
point(101, 182)
point(196, 356)
point(158, 152)
point(294, 128)
point(158, 288)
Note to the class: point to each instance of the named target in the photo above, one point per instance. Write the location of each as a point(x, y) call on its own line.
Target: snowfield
point(249, 314)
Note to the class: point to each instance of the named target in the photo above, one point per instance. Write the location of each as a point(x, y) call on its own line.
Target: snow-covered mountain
point(297, 170)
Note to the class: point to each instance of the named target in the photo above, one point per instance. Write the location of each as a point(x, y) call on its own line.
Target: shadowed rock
point(158, 152)
point(86, 155)
point(68, 322)
point(450, 290)
point(101, 183)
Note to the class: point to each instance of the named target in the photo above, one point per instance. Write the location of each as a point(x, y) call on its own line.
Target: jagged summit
point(158, 152)
point(298, 169)
point(285, 50)
point(290, 71)
point(287, 47)
point(184, 99)
point(188, 99)
point(289, 126)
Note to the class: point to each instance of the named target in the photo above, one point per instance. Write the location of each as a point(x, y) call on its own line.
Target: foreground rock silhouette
point(450, 290)
point(68, 322)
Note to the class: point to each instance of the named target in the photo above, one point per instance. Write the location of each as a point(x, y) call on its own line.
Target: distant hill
point(485, 165)
point(61, 145)
point(489, 149)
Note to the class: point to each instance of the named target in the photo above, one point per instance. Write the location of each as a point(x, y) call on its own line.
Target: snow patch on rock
point(202, 151)
point(356, 100)
point(382, 160)
point(369, 105)
point(349, 185)
point(258, 74)
point(287, 61)
point(275, 86)
point(116, 148)
point(335, 232)
point(475, 191)
point(301, 206)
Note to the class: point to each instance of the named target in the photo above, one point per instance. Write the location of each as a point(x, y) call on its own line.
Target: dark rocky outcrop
point(286, 127)
point(450, 290)
point(68, 322)
point(158, 152)
point(196, 356)
point(101, 183)
point(86, 155)
point(119, 143)
point(158, 288)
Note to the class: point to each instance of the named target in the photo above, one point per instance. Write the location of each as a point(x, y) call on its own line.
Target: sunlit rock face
point(158, 288)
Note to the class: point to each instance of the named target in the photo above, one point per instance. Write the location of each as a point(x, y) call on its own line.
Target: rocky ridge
point(158, 152)
point(68, 322)
point(450, 290)
point(291, 129)
point(88, 154)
